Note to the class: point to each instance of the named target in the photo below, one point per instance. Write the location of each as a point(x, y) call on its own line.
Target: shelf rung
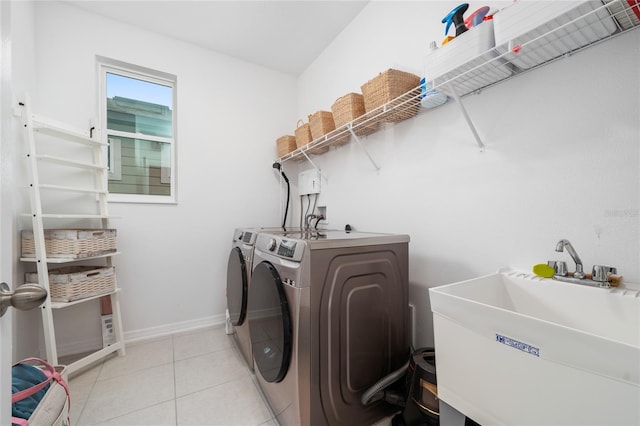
point(64, 161)
point(74, 216)
point(54, 128)
point(73, 189)
point(68, 260)
point(68, 216)
point(62, 305)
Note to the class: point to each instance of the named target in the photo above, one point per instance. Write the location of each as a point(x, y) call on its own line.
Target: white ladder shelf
point(93, 175)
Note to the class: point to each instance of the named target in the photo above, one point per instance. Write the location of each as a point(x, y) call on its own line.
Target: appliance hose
point(374, 393)
point(278, 166)
point(286, 208)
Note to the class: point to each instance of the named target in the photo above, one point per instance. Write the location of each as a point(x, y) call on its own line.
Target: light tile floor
point(196, 378)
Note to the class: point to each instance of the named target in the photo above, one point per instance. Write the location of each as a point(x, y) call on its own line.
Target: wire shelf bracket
point(465, 114)
point(364, 148)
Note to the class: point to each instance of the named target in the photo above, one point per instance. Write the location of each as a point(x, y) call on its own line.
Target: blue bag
point(26, 376)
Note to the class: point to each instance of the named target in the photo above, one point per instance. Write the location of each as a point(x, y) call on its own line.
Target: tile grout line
point(175, 387)
point(91, 389)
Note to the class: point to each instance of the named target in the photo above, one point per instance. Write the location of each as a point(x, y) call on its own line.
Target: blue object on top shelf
point(431, 98)
point(456, 17)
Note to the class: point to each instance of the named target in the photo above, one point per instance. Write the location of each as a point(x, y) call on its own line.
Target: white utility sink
point(516, 349)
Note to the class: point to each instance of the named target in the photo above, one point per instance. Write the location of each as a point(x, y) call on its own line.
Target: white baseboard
point(168, 329)
point(93, 344)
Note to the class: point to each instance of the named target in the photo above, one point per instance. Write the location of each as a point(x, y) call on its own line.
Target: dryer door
point(271, 331)
point(237, 287)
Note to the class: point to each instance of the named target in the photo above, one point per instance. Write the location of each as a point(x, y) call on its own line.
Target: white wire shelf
point(491, 67)
point(399, 109)
point(540, 47)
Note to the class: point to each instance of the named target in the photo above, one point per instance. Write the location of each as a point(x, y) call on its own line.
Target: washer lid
point(270, 330)
point(237, 287)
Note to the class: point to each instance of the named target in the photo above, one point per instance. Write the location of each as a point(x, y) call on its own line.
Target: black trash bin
point(421, 391)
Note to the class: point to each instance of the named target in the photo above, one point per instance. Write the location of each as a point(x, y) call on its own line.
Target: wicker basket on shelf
point(77, 282)
point(321, 123)
point(388, 86)
point(303, 134)
point(71, 243)
point(286, 144)
point(303, 137)
point(348, 108)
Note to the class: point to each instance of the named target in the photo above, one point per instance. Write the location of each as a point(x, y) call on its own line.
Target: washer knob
point(272, 244)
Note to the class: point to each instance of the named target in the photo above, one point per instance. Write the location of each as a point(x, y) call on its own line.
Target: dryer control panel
point(287, 248)
point(281, 246)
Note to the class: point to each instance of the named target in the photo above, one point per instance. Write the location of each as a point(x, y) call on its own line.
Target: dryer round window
point(237, 291)
point(271, 331)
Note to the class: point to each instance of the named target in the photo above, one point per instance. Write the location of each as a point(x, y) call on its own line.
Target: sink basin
point(513, 349)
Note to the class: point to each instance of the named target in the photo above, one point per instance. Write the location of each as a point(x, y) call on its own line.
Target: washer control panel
point(287, 248)
point(281, 246)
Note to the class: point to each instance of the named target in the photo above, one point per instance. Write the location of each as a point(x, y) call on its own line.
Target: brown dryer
point(329, 318)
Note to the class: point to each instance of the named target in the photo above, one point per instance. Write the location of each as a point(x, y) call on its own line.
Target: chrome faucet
point(562, 244)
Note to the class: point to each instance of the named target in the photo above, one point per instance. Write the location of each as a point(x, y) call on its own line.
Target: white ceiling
point(282, 35)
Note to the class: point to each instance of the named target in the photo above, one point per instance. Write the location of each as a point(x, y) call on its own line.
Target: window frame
point(105, 66)
point(114, 158)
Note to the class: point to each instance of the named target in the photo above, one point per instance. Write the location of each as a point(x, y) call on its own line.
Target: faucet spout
point(562, 244)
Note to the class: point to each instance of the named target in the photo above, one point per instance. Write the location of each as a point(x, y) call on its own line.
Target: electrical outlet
point(108, 334)
point(309, 182)
point(322, 211)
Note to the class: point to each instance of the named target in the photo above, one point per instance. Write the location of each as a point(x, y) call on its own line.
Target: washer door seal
point(270, 320)
point(237, 287)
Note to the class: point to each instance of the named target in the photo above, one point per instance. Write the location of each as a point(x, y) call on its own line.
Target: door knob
point(26, 297)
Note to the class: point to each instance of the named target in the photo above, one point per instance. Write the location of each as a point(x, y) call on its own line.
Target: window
point(137, 111)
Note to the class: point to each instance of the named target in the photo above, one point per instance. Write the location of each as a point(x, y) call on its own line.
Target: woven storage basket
point(303, 137)
point(71, 243)
point(303, 134)
point(388, 86)
point(349, 108)
point(321, 123)
point(77, 282)
point(286, 144)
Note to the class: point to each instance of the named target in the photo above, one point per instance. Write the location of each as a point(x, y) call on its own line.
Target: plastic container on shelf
point(430, 98)
point(535, 32)
point(466, 63)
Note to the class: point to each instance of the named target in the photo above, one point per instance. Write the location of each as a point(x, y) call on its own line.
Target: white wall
point(172, 269)
point(561, 161)
point(562, 157)
point(14, 198)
